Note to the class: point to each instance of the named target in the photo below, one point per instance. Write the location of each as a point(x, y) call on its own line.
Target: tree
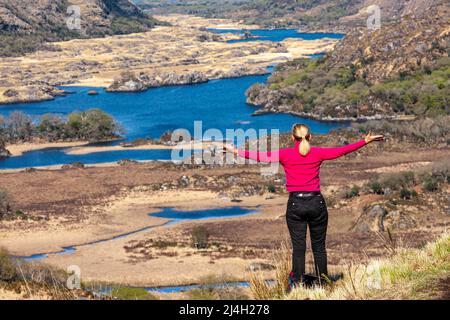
point(51, 127)
point(200, 237)
point(93, 125)
point(19, 126)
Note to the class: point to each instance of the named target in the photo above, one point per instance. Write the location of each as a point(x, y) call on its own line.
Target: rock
point(184, 181)
point(74, 165)
point(127, 82)
point(398, 220)
point(387, 191)
point(11, 93)
point(126, 162)
point(259, 266)
point(4, 153)
point(372, 219)
point(131, 83)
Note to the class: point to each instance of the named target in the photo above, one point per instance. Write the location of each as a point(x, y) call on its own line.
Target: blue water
point(175, 216)
point(278, 35)
point(54, 156)
point(178, 289)
point(219, 104)
point(316, 55)
point(228, 212)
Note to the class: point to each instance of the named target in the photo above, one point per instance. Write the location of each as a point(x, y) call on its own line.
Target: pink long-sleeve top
point(302, 172)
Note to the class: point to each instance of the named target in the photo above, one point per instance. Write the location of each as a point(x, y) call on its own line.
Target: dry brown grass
point(407, 274)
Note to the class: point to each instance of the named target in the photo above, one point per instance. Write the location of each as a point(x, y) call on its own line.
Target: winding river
point(175, 216)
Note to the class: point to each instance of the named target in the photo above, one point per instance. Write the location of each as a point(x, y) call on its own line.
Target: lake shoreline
point(101, 62)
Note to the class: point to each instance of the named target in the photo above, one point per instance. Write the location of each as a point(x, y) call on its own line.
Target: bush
point(407, 194)
point(376, 187)
point(396, 181)
point(200, 237)
point(7, 267)
point(5, 207)
point(430, 184)
point(423, 130)
point(128, 293)
point(353, 192)
point(92, 125)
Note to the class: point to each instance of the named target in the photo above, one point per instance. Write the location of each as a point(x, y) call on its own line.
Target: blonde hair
point(301, 133)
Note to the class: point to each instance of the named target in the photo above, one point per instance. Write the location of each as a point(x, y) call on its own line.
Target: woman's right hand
point(371, 137)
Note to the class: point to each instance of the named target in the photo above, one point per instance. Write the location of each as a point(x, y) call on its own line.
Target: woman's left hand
point(371, 137)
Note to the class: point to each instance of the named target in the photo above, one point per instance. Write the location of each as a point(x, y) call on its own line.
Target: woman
point(306, 205)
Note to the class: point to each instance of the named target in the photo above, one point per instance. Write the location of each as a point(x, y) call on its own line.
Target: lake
point(277, 35)
point(219, 104)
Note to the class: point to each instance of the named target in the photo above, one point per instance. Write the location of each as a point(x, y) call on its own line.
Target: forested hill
point(401, 69)
point(338, 15)
point(26, 25)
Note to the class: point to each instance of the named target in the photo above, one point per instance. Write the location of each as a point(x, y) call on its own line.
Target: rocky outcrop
point(4, 153)
point(347, 83)
point(415, 41)
point(132, 83)
point(39, 16)
point(30, 93)
point(26, 25)
point(371, 220)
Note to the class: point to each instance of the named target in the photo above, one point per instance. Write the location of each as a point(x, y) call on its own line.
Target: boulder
point(11, 93)
point(4, 153)
point(75, 165)
point(372, 219)
point(259, 266)
point(126, 162)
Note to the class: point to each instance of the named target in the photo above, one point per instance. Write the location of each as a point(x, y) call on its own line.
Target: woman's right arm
point(334, 153)
point(255, 155)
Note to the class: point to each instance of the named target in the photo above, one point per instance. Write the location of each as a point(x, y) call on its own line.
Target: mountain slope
point(401, 69)
point(307, 14)
point(24, 25)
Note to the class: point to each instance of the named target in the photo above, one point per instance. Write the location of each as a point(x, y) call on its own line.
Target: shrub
point(353, 192)
point(7, 267)
point(376, 187)
point(92, 125)
point(430, 184)
point(162, 244)
point(396, 181)
point(199, 237)
point(5, 207)
point(128, 293)
point(407, 194)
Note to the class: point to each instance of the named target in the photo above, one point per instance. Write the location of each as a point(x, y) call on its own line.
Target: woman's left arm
point(334, 153)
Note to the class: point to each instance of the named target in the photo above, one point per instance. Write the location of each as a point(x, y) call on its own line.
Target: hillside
point(410, 274)
point(25, 25)
point(338, 15)
point(401, 69)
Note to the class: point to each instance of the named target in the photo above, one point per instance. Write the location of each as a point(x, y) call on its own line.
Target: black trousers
point(303, 212)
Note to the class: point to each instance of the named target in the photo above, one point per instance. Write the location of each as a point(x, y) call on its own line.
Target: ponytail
point(304, 147)
point(301, 133)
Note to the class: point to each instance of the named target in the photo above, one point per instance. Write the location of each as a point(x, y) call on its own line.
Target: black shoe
point(330, 279)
